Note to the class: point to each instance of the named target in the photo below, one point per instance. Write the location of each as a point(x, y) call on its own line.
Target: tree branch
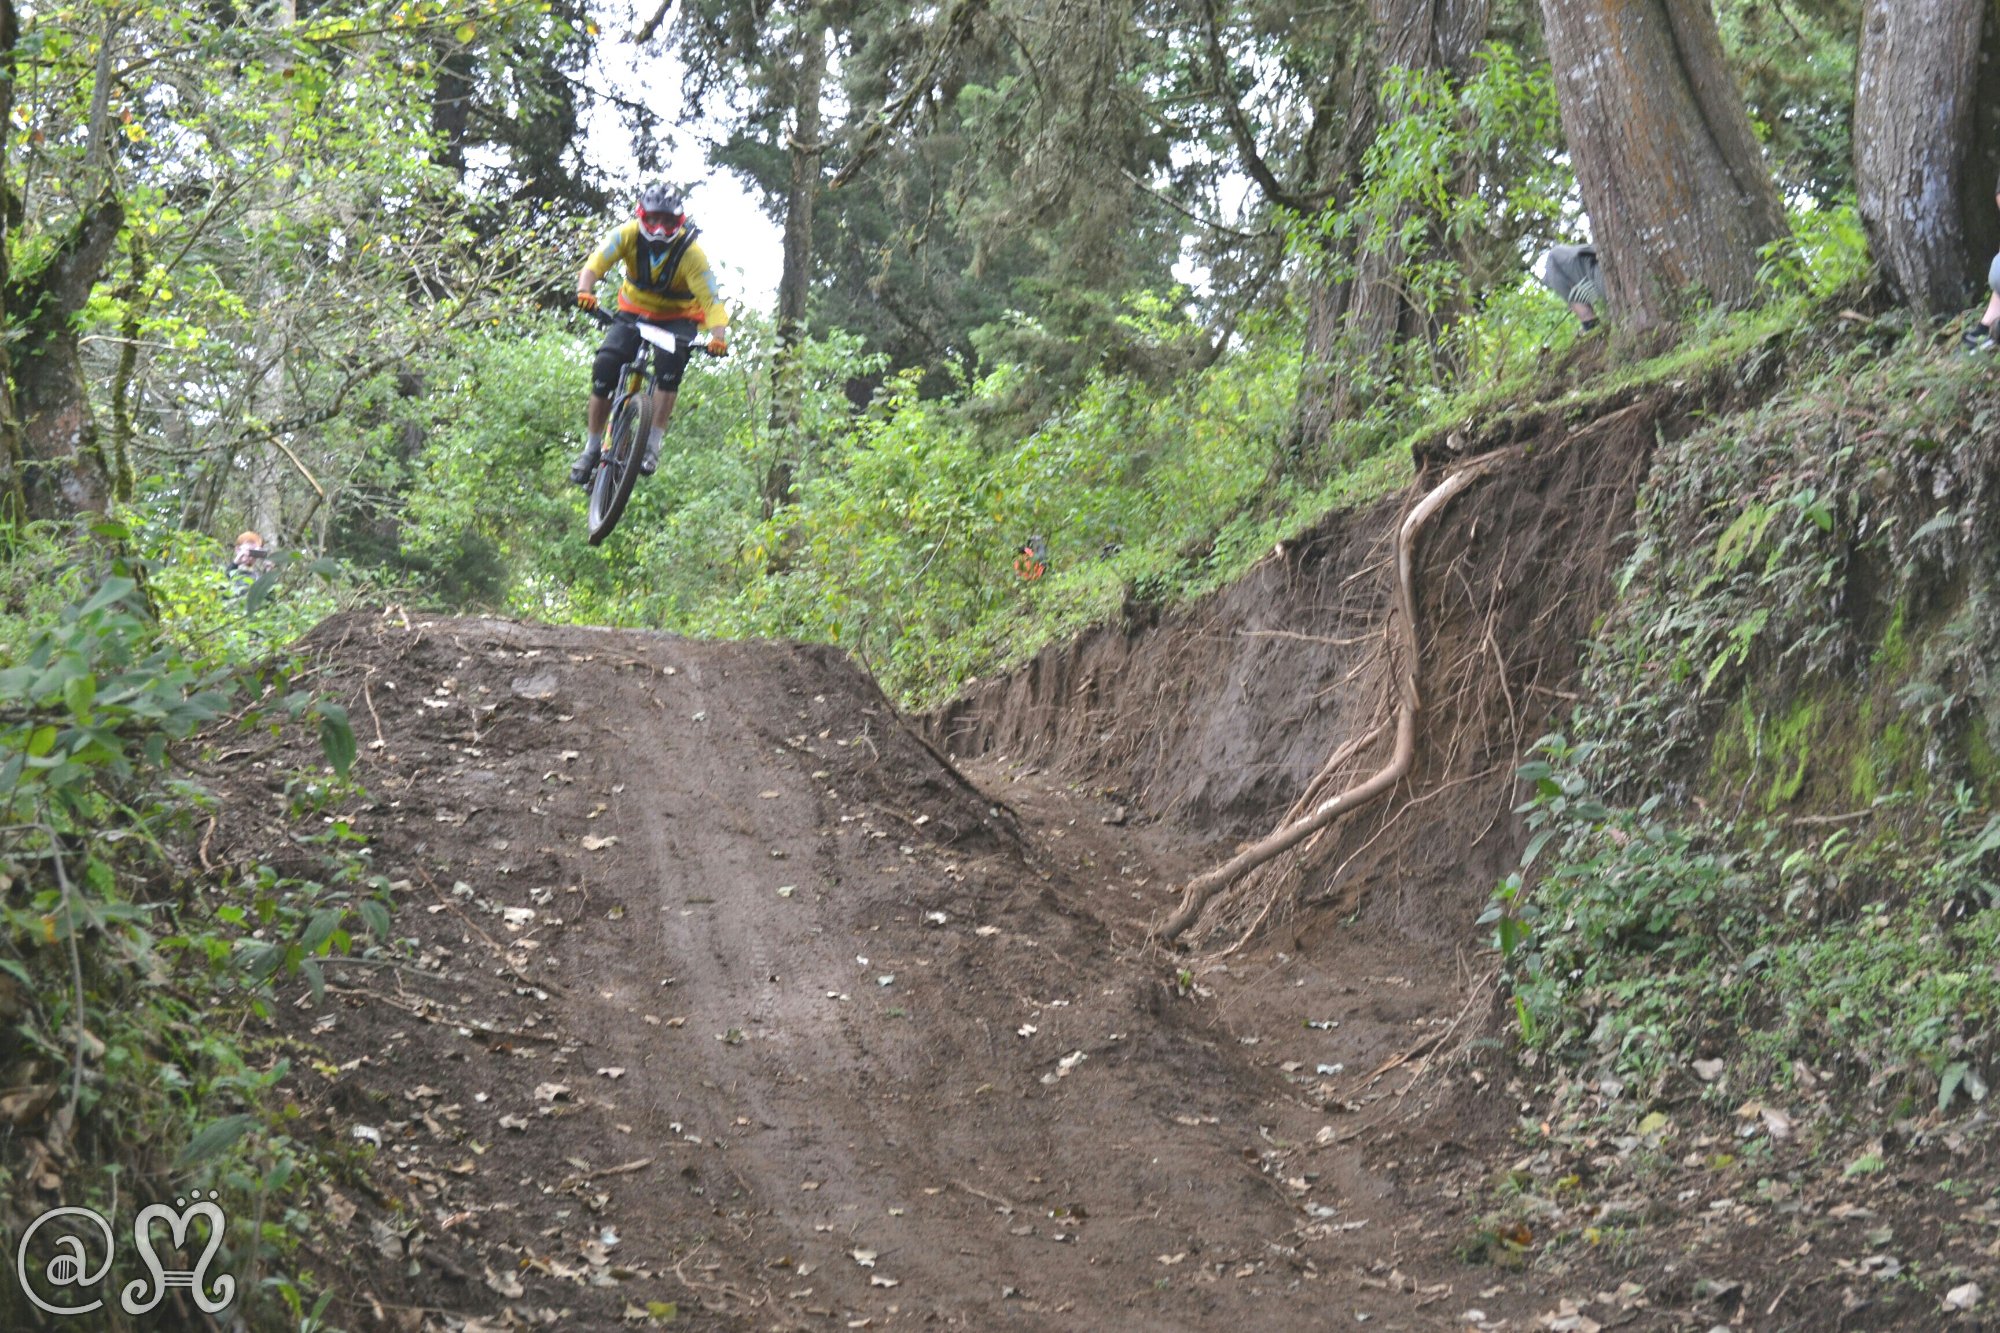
point(1254, 164)
point(892, 119)
point(644, 32)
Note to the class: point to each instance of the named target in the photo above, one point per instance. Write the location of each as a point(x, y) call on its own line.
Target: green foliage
point(1802, 642)
point(1825, 254)
point(900, 541)
point(1795, 64)
point(1645, 937)
point(1775, 546)
point(119, 969)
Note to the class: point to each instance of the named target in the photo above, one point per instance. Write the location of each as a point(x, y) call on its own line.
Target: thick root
point(1402, 647)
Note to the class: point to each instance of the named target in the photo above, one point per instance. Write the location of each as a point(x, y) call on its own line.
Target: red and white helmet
point(660, 212)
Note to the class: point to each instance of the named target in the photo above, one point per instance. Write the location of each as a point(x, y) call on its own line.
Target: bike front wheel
point(619, 471)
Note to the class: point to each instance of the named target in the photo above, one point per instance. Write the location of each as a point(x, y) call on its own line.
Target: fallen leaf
point(593, 843)
point(877, 1280)
point(1963, 1297)
point(866, 1258)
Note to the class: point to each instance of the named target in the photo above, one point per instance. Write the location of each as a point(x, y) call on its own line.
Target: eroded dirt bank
point(1214, 718)
point(729, 993)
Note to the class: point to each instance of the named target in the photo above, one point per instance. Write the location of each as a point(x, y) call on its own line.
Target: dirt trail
point(731, 993)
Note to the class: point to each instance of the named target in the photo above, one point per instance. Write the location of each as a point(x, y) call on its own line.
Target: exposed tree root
point(1401, 646)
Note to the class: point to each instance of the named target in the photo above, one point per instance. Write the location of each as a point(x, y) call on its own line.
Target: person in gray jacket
point(1571, 272)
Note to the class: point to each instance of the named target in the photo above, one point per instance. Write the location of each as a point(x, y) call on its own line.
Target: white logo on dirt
point(70, 1267)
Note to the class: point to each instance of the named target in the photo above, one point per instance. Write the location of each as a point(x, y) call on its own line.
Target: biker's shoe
point(650, 459)
point(1979, 338)
point(585, 467)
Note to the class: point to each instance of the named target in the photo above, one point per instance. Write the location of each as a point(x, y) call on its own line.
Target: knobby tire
point(619, 471)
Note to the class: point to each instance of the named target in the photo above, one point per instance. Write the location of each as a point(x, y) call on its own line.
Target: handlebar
point(597, 314)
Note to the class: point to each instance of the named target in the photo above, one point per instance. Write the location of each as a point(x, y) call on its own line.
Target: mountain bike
point(631, 420)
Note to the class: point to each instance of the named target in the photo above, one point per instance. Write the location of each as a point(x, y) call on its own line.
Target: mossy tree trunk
point(1679, 196)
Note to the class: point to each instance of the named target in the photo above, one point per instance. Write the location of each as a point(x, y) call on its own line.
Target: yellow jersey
point(689, 292)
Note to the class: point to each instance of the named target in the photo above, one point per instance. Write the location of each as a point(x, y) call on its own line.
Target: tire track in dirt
point(832, 1101)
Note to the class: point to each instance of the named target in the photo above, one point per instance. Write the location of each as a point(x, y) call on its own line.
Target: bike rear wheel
point(619, 471)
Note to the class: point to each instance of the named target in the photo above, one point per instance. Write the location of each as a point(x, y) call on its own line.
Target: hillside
point(712, 955)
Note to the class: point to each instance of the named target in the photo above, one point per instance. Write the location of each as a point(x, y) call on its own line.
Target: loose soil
point(715, 959)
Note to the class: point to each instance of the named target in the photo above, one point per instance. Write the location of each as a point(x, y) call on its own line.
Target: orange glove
point(718, 345)
point(588, 300)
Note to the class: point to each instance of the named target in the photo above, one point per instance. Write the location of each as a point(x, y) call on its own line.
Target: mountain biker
point(668, 282)
point(1571, 272)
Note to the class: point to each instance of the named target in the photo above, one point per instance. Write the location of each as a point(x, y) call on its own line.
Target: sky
point(741, 241)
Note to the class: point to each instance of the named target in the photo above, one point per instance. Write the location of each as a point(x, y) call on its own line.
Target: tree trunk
point(1679, 197)
point(795, 278)
point(1981, 171)
point(1913, 111)
point(1353, 327)
point(61, 467)
point(13, 490)
point(451, 107)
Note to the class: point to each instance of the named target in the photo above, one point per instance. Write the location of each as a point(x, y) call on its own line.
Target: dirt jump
point(733, 1000)
point(730, 994)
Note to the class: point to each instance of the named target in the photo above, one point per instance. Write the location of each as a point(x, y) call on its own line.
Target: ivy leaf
point(336, 737)
point(320, 929)
point(377, 917)
point(114, 590)
point(260, 590)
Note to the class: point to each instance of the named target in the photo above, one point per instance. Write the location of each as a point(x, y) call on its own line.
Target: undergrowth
point(1763, 853)
point(131, 969)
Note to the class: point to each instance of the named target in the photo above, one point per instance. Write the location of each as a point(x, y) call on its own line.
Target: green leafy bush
point(116, 959)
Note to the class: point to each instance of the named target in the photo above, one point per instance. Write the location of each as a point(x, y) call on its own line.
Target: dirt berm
point(728, 992)
point(1215, 718)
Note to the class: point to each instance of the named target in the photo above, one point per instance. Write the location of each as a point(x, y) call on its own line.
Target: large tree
point(1913, 119)
point(1680, 200)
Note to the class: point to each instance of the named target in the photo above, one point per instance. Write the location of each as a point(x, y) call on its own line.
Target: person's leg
point(668, 368)
point(621, 340)
point(1985, 335)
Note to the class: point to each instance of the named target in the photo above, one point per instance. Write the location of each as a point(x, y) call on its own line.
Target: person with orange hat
point(250, 559)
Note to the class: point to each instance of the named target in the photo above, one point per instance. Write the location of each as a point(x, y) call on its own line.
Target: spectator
point(1985, 335)
point(1571, 272)
point(250, 559)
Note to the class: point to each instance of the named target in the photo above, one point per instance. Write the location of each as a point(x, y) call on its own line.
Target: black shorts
point(622, 343)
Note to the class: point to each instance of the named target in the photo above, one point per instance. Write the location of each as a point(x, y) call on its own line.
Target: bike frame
point(631, 418)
